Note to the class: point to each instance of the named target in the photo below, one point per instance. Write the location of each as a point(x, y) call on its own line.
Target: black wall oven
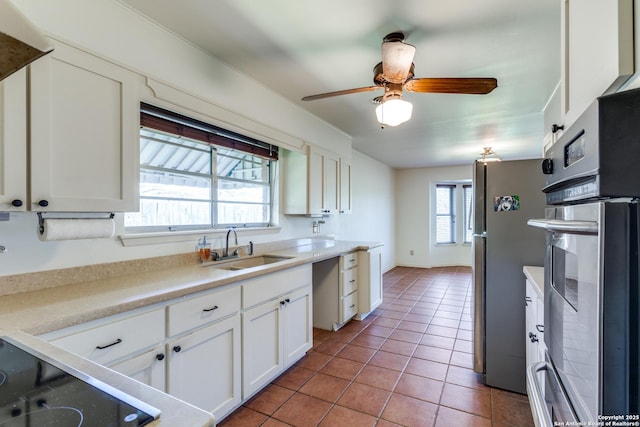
point(591, 270)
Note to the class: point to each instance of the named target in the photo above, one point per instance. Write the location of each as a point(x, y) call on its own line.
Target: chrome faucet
point(226, 249)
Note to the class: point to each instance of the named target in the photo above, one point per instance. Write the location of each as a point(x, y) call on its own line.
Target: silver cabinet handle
point(541, 416)
point(352, 305)
point(540, 328)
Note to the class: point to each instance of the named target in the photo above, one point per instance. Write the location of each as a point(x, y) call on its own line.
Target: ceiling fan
point(395, 74)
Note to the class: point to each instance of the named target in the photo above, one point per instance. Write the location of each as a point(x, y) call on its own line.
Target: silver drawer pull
point(102, 347)
point(352, 306)
point(215, 307)
point(540, 328)
point(352, 260)
point(352, 280)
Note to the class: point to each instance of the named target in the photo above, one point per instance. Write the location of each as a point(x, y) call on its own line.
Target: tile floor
point(408, 364)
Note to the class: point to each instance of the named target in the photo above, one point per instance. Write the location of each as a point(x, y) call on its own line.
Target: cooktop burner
point(37, 391)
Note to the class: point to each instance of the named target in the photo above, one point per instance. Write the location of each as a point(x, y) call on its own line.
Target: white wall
point(372, 220)
point(374, 206)
point(414, 196)
point(107, 28)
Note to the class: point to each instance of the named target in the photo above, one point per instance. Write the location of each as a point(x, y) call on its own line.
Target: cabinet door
point(84, 134)
point(345, 187)
point(315, 190)
point(596, 50)
point(204, 367)
point(323, 182)
point(370, 281)
point(261, 346)
point(531, 312)
point(13, 142)
point(331, 177)
point(148, 368)
point(375, 278)
point(297, 325)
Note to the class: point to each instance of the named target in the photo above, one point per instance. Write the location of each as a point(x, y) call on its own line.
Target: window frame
point(451, 214)
point(467, 211)
point(458, 209)
point(219, 143)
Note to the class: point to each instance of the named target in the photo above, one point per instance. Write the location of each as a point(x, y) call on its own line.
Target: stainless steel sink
point(248, 262)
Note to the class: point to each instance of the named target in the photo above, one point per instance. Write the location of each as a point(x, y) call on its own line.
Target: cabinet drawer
point(273, 285)
point(112, 340)
point(348, 281)
point(349, 261)
point(349, 307)
point(203, 309)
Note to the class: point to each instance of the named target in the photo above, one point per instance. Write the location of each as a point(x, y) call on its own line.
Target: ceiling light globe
point(394, 112)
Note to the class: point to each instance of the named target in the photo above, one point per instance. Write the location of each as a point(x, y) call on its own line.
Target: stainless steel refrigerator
point(506, 195)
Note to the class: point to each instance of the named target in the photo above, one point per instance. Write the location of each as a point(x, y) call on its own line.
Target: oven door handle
point(541, 416)
point(566, 226)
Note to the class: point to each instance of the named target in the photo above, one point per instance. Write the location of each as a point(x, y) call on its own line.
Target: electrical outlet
point(411, 252)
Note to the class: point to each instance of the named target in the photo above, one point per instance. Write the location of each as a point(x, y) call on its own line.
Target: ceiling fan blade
point(397, 58)
point(469, 85)
point(341, 92)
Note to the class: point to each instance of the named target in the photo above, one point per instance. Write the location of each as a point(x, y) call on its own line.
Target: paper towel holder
point(110, 215)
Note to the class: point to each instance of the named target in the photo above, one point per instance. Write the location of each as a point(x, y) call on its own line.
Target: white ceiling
point(305, 47)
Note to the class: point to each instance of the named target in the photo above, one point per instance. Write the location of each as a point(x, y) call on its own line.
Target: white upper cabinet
point(83, 134)
point(345, 187)
point(13, 142)
point(596, 51)
point(322, 190)
point(315, 184)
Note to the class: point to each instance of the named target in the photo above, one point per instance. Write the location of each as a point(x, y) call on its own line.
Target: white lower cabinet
point(534, 321)
point(335, 291)
point(370, 291)
point(275, 335)
point(297, 329)
point(194, 348)
point(149, 368)
point(112, 339)
point(262, 346)
point(203, 368)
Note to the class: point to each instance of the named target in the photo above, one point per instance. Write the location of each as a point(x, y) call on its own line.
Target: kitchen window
point(196, 176)
point(453, 200)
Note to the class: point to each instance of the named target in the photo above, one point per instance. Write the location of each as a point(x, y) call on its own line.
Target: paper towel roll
point(72, 229)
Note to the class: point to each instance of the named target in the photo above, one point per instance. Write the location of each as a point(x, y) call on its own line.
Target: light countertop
point(536, 277)
point(24, 315)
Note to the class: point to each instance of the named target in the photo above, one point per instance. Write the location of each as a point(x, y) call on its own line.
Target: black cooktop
point(38, 392)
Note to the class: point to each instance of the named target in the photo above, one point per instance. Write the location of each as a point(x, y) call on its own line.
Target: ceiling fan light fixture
point(488, 155)
point(394, 112)
point(397, 58)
